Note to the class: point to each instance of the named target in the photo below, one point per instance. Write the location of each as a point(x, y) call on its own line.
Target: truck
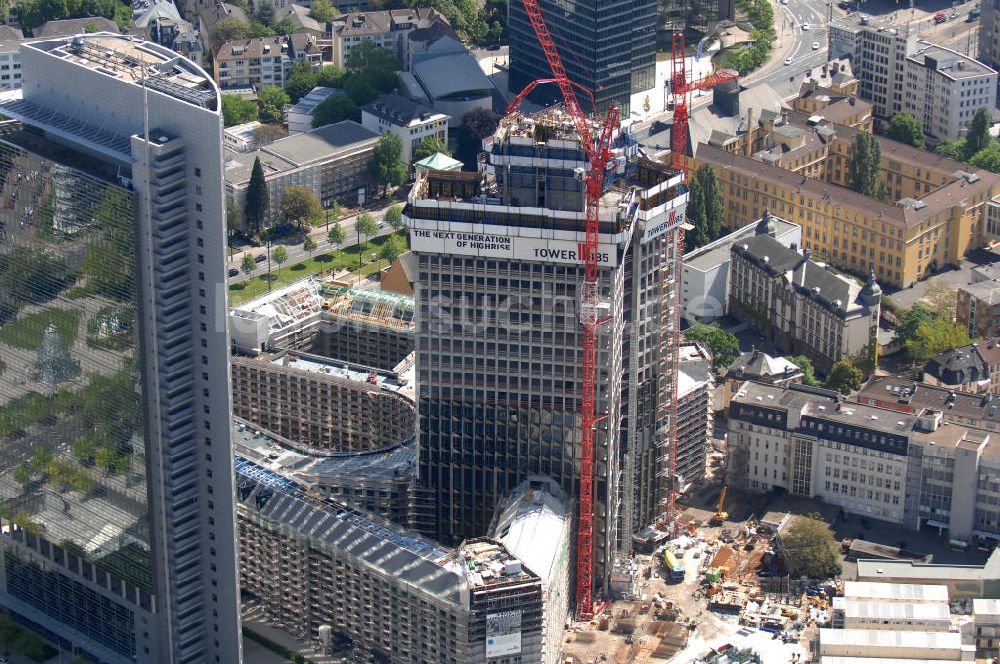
point(675, 568)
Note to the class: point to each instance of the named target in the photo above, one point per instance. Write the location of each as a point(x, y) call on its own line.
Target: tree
point(377, 66)
point(705, 210)
point(322, 10)
point(696, 237)
point(337, 235)
point(844, 377)
point(335, 108)
point(248, 264)
point(724, 346)
point(864, 162)
point(258, 200)
point(978, 137)
point(392, 248)
point(385, 165)
point(300, 80)
point(906, 128)
point(912, 318)
point(330, 76)
point(233, 217)
point(810, 549)
point(988, 158)
point(284, 26)
point(299, 206)
point(332, 213)
point(228, 29)
point(265, 12)
point(427, 147)
point(23, 473)
point(237, 110)
point(279, 255)
point(272, 100)
point(951, 149)
point(935, 337)
point(359, 89)
point(366, 226)
point(309, 245)
point(805, 365)
point(394, 217)
point(269, 133)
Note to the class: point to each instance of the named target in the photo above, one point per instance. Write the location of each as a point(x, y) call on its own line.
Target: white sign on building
point(503, 633)
point(506, 246)
point(655, 229)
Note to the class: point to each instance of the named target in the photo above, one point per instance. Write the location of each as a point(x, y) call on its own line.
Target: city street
point(795, 43)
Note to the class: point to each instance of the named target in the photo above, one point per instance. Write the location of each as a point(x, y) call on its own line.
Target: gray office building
point(116, 485)
point(607, 46)
point(499, 341)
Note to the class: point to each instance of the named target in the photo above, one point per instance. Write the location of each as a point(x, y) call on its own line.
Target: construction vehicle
point(598, 153)
point(719, 517)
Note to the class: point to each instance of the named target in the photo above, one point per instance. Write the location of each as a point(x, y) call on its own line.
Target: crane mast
point(599, 156)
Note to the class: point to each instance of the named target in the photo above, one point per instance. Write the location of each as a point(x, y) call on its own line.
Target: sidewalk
point(784, 44)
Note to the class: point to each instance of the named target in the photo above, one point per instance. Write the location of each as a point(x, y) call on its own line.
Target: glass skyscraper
point(116, 498)
point(607, 46)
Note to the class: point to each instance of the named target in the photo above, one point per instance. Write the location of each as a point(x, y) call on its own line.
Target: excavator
point(719, 515)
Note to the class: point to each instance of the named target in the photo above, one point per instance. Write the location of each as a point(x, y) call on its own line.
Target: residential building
point(914, 469)
point(535, 523)
point(161, 22)
point(802, 306)
point(332, 161)
point(497, 404)
point(978, 308)
point(972, 368)
point(705, 290)
point(387, 29)
point(251, 64)
point(695, 413)
point(758, 366)
point(241, 137)
point(338, 408)
point(898, 71)
point(369, 328)
point(10, 62)
point(114, 180)
point(795, 166)
point(312, 562)
point(608, 49)
point(300, 115)
point(412, 122)
point(299, 16)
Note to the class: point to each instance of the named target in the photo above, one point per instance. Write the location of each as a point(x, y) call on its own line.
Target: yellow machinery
point(719, 515)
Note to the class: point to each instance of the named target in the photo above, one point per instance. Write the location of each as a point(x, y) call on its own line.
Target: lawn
point(347, 257)
point(26, 332)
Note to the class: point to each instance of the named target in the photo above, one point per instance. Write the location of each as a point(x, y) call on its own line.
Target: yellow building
point(798, 171)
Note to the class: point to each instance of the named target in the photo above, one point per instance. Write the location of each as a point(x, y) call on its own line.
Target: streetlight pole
point(268, 266)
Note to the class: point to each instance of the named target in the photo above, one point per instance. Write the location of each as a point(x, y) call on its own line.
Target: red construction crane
point(599, 156)
point(681, 88)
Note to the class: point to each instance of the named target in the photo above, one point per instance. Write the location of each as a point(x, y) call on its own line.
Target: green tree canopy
point(394, 217)
point(299, 206)
point(336, 234)
point(279, 254)
point(906, 128)
point(911, 319)
point(330, 76)
point(978, 137)
point(844, 377)
point(864, 163)
point(696, 237)
point(385, 165)
point(365, 225)
point(806, 366)
point(427, 147)
point(935, 337)
point(335, 108)
point(300, 80)
point(392, 248)
point(377, 65)
point(988, 158)
point(322, 10)
point(258, 200)
point(724, 346)
point(272, 100)
point(810, 549)
point(309, 244)
point(237, 110)
point(248, 264)
point(705, 210)
point(229, 29)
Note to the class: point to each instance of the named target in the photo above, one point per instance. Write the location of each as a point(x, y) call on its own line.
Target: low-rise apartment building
point(795, 166)
point(800, 305)
point(251, 64)
point(972, 368)
point(758, 366)
point(332, 161)
point(911, 469)
point(387, 29)
point(411, 121)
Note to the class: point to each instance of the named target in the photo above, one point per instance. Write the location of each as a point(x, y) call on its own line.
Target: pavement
point(952, 276)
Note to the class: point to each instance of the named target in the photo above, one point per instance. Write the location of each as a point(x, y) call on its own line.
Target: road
point(295, 251)
point(795, 43)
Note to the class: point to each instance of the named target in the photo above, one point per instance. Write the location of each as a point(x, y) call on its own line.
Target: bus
point(676, 569)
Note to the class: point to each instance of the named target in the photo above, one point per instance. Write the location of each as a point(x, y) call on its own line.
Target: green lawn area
point(347, 257)
point(26, 332)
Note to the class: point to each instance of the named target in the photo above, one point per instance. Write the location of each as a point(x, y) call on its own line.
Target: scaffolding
point(374, 307)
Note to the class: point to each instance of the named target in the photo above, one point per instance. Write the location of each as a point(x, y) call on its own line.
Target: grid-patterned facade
point(115, 375)
point(607, 47)
point(360, 342)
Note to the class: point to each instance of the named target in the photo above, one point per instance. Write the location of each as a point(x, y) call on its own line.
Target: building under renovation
point(694, 413)
point(499, 358)
point(320, 567)
point(364, 326)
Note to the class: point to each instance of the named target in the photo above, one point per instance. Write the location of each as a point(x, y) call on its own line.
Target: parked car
point(261, 258)
point(232, 273)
